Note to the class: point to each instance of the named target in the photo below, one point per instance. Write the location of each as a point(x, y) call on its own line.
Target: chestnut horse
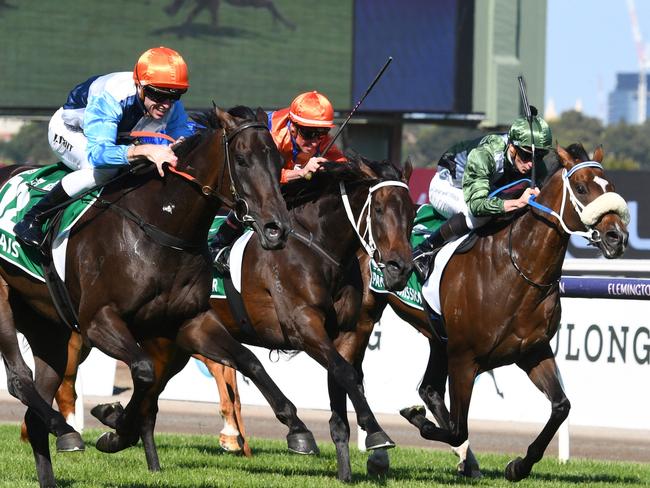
point(138, 267)
point(521, 261)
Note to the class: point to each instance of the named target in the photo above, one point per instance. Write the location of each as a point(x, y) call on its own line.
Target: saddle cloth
point(234, 260)
point(426, 221)
point(17, 196)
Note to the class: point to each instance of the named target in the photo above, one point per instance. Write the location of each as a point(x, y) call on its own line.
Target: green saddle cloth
point(17, 196)
point(218, 290)
point(426, 221)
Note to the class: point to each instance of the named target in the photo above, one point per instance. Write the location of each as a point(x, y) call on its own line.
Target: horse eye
point(581, 189)
point(241, 160)
point(379, 211)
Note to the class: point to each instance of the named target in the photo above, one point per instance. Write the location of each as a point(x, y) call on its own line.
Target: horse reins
point(207, 190)
point(171, 241)
point(592, 235)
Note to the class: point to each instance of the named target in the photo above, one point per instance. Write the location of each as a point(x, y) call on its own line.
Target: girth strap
point(154, 233)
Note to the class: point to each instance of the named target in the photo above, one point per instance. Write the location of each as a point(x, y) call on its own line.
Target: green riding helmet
point(519, 133)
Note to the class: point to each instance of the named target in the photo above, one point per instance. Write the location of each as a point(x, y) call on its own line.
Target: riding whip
point(340, 129)
point(528, 113)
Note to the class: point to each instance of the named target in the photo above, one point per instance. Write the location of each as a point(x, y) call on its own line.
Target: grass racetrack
point(197, 461)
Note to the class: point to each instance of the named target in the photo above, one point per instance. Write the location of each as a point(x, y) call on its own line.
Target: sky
point(587, 43)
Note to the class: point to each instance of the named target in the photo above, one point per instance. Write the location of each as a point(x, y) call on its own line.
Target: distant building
point(622, 103)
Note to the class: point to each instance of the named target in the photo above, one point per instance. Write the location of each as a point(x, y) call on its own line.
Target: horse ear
point(598, 154)
point(225, 118)
point(564, 157)
point(261, 115)
point(408, 170)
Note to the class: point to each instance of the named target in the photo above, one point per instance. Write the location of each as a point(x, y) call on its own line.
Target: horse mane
point(300, 191)
point(206, 123)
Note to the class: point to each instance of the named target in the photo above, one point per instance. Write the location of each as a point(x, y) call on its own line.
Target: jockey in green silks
point(469, 171)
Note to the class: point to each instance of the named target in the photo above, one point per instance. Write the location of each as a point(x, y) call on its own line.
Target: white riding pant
point(448, 199)
point(69, 144)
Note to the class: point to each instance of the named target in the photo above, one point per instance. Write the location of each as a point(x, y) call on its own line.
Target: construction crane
point(642, 91)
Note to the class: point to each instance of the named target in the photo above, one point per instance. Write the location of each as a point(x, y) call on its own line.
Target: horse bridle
point(237, 203)
point(369, 245)
point(591, 234)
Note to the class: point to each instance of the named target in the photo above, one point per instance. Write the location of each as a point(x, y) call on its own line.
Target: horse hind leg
point(231, 438)
point(543, 372)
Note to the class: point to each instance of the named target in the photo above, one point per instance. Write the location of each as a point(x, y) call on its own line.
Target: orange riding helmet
point(161, 67)
point(312, 109)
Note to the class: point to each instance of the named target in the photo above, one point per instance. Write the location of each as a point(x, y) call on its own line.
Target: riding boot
point(453, 228)
point(29, 229)
point(227, 234)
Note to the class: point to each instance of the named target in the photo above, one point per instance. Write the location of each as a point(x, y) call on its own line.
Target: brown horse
point(138, 267)
point(290, 295)
point(517, 265)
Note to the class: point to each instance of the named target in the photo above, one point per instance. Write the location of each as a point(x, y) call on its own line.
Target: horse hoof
point(108, 442)
point(111, 443)
point(466, 470)
point(411, 412)
point(108, 413)
point(379, 440)
point(230, 443)
point(70, 442)
point(302, 443)
point(515, 471)
point(378, 463)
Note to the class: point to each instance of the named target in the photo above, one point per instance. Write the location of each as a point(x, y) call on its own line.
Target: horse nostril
point(613, 237)
point(273, 231)
point(393, 266)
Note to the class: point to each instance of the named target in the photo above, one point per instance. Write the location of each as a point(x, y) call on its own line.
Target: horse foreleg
point(543, 372)
point(320, 348)
point(461, 378)
point(340, 427)
point(205, 335)
point(110, 334)
point(432, 391)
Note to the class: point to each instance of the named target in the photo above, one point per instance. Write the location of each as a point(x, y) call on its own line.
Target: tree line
point(626, 146)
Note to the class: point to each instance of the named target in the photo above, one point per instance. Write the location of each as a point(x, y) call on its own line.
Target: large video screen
point(431, 46)
point(251, 52)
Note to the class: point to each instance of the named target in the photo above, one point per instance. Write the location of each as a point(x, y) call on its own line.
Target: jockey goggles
point(161, 95)
point(526, 153)
point(311, 133)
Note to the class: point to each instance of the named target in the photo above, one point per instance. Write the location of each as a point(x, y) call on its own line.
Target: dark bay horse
point(138, 267)
point(517, 265)
point(290, 294)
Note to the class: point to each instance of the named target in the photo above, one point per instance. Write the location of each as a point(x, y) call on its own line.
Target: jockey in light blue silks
point(88, 132)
